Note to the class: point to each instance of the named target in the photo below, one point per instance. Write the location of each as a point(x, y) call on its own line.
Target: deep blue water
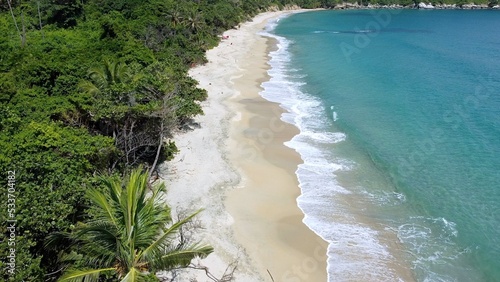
point(413, 156)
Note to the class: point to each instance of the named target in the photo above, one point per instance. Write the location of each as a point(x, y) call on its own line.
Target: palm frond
point(98, 77)
point(57, 239)
point(101, 201)
point(99, 258)
point(133, 276)
point(157, 249)
point(132, 201)
point(87, 275)
point(151, 220)
point(114, 189)
point(108, 71)
point(89, 87)
point(181, 257)
point(70, 257)
point(99, 233)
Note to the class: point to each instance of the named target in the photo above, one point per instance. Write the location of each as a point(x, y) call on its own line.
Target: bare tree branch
point(227, 276)
point(270, 274)
point(186, 233)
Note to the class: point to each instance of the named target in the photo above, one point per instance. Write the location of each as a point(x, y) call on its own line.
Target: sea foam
point(355, 251)
point(409, 171)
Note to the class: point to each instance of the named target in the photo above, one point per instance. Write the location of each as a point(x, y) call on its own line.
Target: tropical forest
point(91, 91)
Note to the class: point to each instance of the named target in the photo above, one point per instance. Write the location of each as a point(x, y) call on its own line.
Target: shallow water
point(400, 129)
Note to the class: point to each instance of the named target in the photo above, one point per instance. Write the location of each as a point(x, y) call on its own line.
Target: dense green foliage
point(129, 235)
point(88, 87)
point(93, 86)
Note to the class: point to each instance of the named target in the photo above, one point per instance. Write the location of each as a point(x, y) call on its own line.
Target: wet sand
point(237, 168)
point(268, 221)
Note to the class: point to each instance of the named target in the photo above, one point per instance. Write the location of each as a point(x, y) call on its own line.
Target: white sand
point(201, 175)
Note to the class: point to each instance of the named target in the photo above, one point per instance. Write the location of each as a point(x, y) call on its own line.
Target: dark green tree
point(63, 13)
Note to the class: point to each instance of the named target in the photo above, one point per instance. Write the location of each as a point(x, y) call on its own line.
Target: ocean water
point(399, 118)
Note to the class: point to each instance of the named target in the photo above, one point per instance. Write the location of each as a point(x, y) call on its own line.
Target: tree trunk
point(125, 144)
point(23, 36)
point(157, 151)
point(15, 21)
point(40, 19)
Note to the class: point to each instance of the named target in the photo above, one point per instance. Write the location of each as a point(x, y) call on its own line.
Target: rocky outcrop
point(392, 6)
point(422, 5)
point(474, 6)
point(347, 5)
point(352, 6)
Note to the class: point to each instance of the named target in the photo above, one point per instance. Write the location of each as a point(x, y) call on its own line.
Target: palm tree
point(194, 21)
point(175, 17)
point(113, 86)
point(109, 74)
point(128, 234)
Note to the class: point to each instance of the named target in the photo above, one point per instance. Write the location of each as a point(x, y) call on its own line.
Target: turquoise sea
point(399, 118)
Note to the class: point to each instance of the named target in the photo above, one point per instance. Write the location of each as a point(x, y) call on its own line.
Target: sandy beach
point(237, 169)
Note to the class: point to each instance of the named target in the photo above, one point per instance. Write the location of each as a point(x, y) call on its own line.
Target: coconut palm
point(113, 86)
point(175, 17)
point(109, 74)
point(128, 234)
point(194, 21)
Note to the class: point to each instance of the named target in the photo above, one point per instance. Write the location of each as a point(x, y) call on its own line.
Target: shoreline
point(270, 224)
point(239, 160)
point(420, 6)
point(207, 172)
